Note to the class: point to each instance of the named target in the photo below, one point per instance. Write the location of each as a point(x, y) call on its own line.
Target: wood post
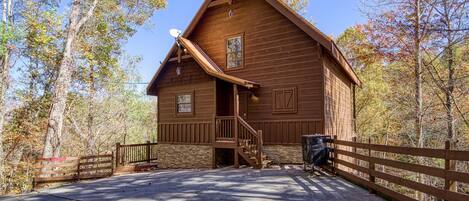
point(148, 152)
point(214, 159)
point(259, 147)
point(450, 165)
point(371, 167)
point(236, 157)
point(335, 155)
point(78, 169)
point(112, 163)
point(235, 122)
point(118, 154)
point(235, 112)
point(354, 150)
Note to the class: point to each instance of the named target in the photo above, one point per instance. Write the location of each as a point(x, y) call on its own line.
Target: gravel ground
point(276, 183)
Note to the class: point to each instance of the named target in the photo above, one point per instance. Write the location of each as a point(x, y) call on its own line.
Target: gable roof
point(290, 14)
point(210, 67)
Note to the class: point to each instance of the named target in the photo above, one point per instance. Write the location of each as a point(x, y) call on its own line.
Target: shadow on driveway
point(277, 183)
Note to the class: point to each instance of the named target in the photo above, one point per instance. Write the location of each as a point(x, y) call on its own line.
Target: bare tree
point(53, 137)
point(452, 28)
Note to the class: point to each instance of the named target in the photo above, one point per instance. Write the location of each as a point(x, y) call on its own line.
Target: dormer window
point(234, 52)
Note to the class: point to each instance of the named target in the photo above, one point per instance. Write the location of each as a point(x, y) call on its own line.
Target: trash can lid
point(315, 136)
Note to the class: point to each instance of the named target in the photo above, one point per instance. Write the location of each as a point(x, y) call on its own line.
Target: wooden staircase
point(250, 145)
point(250, 155)
point(247, 141)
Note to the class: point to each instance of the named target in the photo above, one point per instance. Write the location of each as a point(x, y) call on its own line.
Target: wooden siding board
point(277, 54)
point(338, 101)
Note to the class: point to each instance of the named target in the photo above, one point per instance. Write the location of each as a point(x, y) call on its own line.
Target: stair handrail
point(257, 135)
point(247, 126)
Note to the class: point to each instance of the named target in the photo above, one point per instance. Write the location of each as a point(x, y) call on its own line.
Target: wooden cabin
point(244, 82)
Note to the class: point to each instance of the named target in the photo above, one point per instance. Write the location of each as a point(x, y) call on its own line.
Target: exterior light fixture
point(254, 98)
point(178, 71)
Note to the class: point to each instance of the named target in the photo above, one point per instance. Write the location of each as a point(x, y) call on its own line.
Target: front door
point(243, 105)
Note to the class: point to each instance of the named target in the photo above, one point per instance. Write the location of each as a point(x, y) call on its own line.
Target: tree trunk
point(451, 78)
point(53, 138)
point(91, 143)
point(418, 88)
point(7, 11)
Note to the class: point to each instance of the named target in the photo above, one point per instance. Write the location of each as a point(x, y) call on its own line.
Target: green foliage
point(100, 105)
point(373, 116)
point(7, 36)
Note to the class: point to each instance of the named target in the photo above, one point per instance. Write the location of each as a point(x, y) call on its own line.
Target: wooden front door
point(243, 105)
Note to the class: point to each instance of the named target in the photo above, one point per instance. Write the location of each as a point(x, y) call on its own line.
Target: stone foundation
point(184, 156)
point(282, 154)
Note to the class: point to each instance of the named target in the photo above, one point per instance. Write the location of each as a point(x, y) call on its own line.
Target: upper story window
point(234, 52)
point(185, 104)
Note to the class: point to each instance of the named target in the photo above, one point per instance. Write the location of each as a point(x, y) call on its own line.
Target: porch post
point(235, 127)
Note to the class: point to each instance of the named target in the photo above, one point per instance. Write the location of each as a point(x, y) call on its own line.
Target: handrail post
point(336, 155)
point(112, 163)
point(354, 150)
point(259, 148)
point(148, 151)
point(450, 165)
point(118, 153)
point(78, 169)
point(215, 129)
point(371, 166)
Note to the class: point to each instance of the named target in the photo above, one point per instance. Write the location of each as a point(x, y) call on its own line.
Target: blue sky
point(153, 41)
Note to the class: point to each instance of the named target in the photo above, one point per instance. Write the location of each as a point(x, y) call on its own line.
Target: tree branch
point(88, 15)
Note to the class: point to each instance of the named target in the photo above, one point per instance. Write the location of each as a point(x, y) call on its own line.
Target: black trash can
point(315, 150)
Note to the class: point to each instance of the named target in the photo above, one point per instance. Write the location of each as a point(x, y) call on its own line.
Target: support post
point(235, 112)
point(235, 127)
point(214, 159)
point(450, 165)
point(371, 167)
point(148, 152)
point(118, 154)
point(236, 157)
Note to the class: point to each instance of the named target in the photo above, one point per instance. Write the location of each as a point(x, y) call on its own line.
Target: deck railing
point(360, 163)
point(135, 153)
point(224, 128)
point(69, 169)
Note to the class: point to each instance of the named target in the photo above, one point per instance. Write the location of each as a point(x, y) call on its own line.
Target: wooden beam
point(182, 57)
point(219, 2)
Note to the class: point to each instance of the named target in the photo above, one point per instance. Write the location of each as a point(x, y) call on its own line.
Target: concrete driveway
point(277, 183)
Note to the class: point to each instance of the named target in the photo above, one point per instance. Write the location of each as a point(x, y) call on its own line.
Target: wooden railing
point(135, 153)
point(250, 139)
point(358, 162)
point(224, 128)
point(69, 169)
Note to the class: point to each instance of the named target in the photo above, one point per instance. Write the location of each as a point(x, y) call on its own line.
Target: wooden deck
point(277, 183)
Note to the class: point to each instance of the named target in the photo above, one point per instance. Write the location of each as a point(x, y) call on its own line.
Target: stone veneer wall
point(184, 156)
point(282, 154)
